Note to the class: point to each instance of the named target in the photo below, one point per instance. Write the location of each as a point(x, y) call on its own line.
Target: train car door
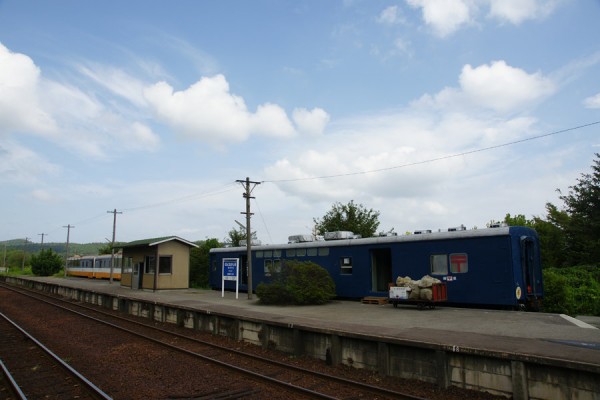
point(381, 269)
point(529, 265)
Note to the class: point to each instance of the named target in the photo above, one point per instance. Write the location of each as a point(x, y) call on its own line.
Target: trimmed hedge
point(299, 283)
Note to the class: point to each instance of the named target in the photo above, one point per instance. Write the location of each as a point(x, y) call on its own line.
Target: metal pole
point(112, 258)
point(69, 226)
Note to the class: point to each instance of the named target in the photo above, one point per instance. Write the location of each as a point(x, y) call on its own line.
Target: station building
point(158, 263)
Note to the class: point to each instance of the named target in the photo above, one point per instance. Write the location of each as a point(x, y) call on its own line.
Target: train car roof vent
point(498, 225)
point(422, 231)
point(339, 235)
point(301, 238)
point(457, 228)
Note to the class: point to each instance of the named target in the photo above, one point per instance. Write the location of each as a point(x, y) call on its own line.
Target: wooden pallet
point(375, 300)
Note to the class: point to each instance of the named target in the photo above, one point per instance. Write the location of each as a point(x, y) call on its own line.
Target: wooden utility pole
point(42, 235)
point(112, 258)
point(23, 260)
point(248, 188)
point(69, 226)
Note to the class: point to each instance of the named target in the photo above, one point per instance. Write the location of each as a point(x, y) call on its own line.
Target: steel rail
point(14, 386)
point(358, 385)
point(95, 390)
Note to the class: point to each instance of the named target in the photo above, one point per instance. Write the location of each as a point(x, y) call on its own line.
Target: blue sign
point(230, 269)
point(230, 273)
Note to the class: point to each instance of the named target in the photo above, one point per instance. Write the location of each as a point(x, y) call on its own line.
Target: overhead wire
point(464, 153)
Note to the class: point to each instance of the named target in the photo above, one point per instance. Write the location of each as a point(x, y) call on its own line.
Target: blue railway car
point(497, 267)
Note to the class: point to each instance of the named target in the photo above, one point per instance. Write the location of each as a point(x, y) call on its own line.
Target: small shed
point(158, 263)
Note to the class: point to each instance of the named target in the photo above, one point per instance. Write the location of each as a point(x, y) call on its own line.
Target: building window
point(165, 265)
point(346, 265)
point(439, 264)
point(459, 263)
point(150, 265)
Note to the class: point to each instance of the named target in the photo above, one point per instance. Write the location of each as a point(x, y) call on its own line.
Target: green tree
point(348, 217)
point(582, 230)
point(46, 263)
point(200, 264)
point(236, 236)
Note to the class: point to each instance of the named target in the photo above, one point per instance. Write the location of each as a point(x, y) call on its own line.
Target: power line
point(465, 153)
point(223, 189)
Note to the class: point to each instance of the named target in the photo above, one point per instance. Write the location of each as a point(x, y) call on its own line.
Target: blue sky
point(156, 108)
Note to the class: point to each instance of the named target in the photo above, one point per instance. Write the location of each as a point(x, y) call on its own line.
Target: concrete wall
point(526, 378)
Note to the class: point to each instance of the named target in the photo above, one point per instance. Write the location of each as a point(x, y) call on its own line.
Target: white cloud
point(117, 82)
point(20, 165)
point(447, 16)
point(310, 122)
point(383, 160)
point(208, 111)
point(592, 101)
point(389, 16)
point(517, 11)
point(497, 87)
point(64, 114)
point(444, 16)
point(20, 108)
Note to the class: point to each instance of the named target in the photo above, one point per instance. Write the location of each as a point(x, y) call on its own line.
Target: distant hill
point(58, 247)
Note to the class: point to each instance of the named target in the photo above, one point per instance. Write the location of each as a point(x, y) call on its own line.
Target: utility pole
point(67, 256)
point(112, 258)
point(248, 187)
point(42, 235)
point(23, 260)
point(4, 260)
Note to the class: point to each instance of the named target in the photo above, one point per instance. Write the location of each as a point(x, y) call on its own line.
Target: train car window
point(346, 265)
point(290, 253)
point(268, 253)
point(277, 265)
point(214, 265)
point(165, 264)
point(300, 252)
point(276, 253)
point(324, 251)
point(439, 264)
point(259, 254)
point(311, 252)
point(268, 267)
point(459, 263)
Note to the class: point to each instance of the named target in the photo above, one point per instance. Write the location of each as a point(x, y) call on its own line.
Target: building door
point(136, 276)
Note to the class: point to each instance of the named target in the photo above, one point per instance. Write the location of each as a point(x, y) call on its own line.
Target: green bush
point(299, 283)
point(573, 291)
point(46, 263)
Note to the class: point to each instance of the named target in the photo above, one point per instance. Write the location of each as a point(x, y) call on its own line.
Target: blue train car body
point(482, 267)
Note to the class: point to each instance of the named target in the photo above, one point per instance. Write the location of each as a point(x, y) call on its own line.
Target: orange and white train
point(94, 266)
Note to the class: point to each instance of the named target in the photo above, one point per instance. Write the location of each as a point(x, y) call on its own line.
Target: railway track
point(31, 370)
point(299, 382)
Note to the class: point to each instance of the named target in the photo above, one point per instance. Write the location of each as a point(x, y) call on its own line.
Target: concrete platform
point(519, 354)
point(537, 334)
